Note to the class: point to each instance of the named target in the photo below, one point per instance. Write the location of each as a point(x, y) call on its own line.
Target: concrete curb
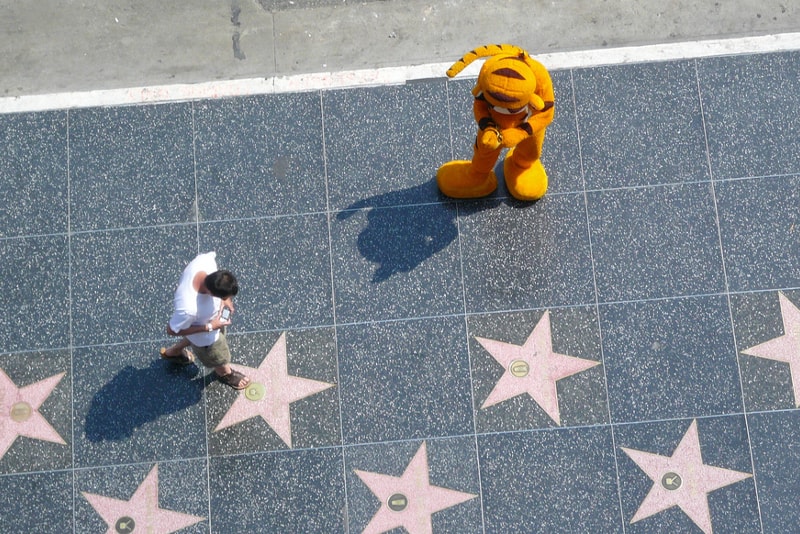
point(389, 75)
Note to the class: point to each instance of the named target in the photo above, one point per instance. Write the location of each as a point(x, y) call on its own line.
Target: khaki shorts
point(215, 354)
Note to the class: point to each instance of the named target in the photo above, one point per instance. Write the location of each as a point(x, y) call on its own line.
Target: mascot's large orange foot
point(456, 181)
point(525, 184)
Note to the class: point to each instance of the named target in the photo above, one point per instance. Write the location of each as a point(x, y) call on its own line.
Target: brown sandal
point(184, 358)
point(234, 379)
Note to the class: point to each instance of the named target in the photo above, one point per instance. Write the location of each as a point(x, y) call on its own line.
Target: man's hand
point(217, 323)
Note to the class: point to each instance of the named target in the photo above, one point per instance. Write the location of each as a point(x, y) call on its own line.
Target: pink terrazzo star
point(682, 480)
point(141, 513)
point(19, 411)
point(532, 368)
point(270, 392)
point(408, 501)
point(785, 348)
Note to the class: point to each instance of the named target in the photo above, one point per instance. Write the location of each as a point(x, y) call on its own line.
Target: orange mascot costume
point(514, 104)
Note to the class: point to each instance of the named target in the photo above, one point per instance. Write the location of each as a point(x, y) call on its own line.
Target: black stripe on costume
point(485, 123)
point(501, 97)
point(508, 73)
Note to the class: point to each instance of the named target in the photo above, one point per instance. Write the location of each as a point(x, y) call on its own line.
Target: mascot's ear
point(536, 102)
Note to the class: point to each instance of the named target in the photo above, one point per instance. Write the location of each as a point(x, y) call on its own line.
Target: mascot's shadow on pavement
point(514, 103)
point(399, 239)
point(137, 396)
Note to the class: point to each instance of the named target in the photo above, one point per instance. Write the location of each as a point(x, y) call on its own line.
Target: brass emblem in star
point(141, 513)
point(532, 368)
point(408, 500)
point(19, 411)
point(270, 392)
point(682, 480)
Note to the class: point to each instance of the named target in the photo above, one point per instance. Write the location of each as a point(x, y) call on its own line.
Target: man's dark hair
point(222, 284)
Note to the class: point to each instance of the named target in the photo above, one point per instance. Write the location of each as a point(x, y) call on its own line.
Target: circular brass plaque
point(255, 391)
point(671, 481)
point(21, 411)
point(125, 525)
point(397, 502)
point(519, 368)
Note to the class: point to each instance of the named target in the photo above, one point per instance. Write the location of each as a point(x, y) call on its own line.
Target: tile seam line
point(455, 315)
point(596, 306)
point(726, 278)
point(70, 333)
point(418, 439)
point(197, 238)
point(336, 348)
point(779, 42)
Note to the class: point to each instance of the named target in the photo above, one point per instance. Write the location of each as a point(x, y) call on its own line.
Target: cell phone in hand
point(225, 315)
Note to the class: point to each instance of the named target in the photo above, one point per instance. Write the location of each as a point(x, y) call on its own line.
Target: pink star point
point(279, 390)
point(785, 348)
point(19, 411)
point(409, 500)
point(532, 368)
point(141, 513)
point(682, 480)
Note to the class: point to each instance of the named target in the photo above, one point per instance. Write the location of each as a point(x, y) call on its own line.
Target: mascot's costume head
point(505, 80)
point(514, 104)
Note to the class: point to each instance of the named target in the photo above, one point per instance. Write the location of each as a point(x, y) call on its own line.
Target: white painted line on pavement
point(391, 75)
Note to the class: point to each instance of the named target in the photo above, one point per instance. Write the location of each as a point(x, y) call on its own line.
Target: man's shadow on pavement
point(399, 239)
point(137, 396)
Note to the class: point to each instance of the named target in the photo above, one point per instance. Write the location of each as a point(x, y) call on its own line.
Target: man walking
point(202, 306)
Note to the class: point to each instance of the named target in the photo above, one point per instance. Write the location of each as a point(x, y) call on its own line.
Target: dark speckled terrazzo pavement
point(667, 247)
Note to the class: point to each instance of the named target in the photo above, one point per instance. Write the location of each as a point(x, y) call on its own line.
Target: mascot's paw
point(490, 138)
point(525, 184)
point(456, 181)
point(513, 136)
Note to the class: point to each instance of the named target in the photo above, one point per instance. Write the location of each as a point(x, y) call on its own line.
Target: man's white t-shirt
point(192, 308)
